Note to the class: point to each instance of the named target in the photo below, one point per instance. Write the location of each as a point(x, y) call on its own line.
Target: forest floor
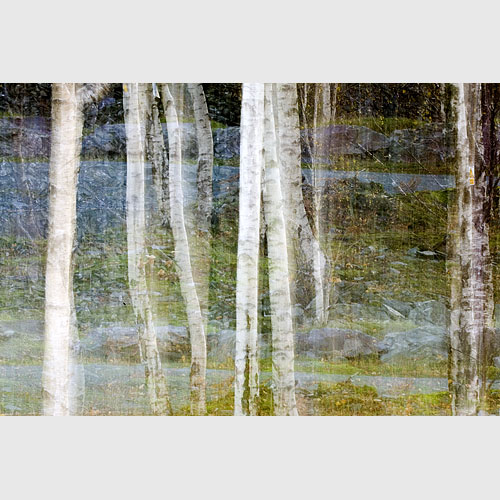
point(119, 390)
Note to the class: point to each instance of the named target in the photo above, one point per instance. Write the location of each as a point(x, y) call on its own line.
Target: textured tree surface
point(136, 108)
point(60, 321)
point(471, 291)
point(182, 256)
point(279, 288)
point(251, 165)
point(204, 197)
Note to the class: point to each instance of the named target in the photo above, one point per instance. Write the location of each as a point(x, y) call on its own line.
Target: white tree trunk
point(309, 255)
point(251, 165)
point(279, 289)
point(203, 219)
point(155, 146)
point(135, 102)
point(467, 325)
point(183, 259)
point(60, 325)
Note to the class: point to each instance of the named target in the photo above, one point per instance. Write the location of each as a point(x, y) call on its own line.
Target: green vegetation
point(345, 399)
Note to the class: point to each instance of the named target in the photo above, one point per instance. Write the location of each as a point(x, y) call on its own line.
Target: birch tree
point(471, 299)
point(203, 217)
point(251, 166)
point(183, 258)
point(317, 260)
point(135, 107)
point(306, 254)
point(156, 152)
point(279, 288)
point(62, 378)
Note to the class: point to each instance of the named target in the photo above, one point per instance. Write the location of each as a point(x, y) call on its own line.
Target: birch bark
point(279, 289)
point(63, 381)
point(203, 218)
point(134, 102)
point(308, 255)
point(183, 259)
point(60, 326)
point(156, 152)
point(251, 165)
point(471, 324)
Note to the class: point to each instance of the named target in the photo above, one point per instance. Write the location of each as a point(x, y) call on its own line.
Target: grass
point(381, 124)
point(347, 399)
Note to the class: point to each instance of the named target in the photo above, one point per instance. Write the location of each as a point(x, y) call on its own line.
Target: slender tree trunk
point(251, 165)
point(471, 326)
point(309, 257)
point(134, 102)
point(203, 219)
point(279, 289)
point(183, 259)
point(63, 382)
point(155, 146)
point(60, 325)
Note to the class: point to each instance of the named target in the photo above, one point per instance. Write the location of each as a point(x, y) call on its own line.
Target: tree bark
point(183, 259)
point(60, 325)
point(279, 289)
point(251, 165)
point(157, 153)
point(470, 326)
point(203, 218)
point(134, 102)
point(308, 257)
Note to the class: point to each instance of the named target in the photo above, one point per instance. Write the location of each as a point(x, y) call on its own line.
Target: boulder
point(334, 343)
point(429, 312)
point(118, 340)
point(401, 308)
point(427, 343)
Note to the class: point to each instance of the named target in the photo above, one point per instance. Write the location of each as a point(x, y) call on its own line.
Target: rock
point(392, 312)
point(118, 340)
point(6, 334)
point(10, 407)
point(423, 144)
point(108, 140)
point(344, 140)
point(368, 250)
point(362, 312)
point(496, 361)
point(334, 343)
point(222, 345)
point(427, 343)
point(403, 308)
point(298, 312)
point(28, 137)
point(429, 312)
point(412, 252)
point(227, 143)
point(427, 254)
